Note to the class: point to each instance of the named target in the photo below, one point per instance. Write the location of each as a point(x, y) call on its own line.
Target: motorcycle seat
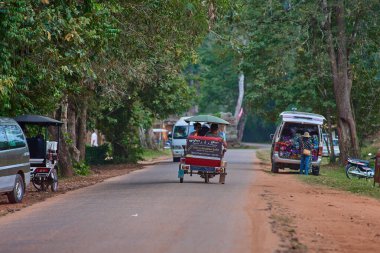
point(356, 161)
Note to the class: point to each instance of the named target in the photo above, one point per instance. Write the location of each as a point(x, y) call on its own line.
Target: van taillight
point(276, 147)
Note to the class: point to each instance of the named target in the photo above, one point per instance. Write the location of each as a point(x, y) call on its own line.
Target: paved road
point(145, 211)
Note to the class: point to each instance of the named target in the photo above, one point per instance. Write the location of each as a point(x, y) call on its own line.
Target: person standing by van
point(306, 147)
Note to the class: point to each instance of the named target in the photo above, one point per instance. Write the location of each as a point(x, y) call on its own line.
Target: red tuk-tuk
point(204, 155)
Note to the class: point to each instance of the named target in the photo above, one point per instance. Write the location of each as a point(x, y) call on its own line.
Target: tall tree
point(300, 54)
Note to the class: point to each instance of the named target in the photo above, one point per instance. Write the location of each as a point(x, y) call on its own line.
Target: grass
point(335, 177)
point(264, 155)
point(149, 154)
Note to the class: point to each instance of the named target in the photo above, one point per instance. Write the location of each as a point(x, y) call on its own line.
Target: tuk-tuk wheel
point(54, 184)
point(181, 180)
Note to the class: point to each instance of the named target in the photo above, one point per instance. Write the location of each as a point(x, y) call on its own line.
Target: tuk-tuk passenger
point(197, 128)
point(214, 133)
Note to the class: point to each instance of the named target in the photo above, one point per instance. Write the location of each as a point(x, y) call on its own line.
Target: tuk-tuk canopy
point(208, 119)
point(37, 120)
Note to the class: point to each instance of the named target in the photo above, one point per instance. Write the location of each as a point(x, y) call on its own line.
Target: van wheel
point(274, 168)
point(315, 170)
point(16, 195)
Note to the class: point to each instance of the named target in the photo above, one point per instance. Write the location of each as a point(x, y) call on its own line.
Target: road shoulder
point(311, 218)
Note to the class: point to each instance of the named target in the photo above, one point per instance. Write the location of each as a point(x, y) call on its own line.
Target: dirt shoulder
point(98, 174)
point(317, 219)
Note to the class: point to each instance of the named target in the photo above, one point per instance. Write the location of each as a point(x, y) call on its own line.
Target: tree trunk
point(82, 129)
point(72, 130)
point(330, 147)
point(150, 140)
point(342, 81)
point(240, 124)
point(142, 137)
point(240, 97)
point(65, 163)
point(241, 127)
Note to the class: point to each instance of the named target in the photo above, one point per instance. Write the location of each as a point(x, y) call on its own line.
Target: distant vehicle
point(326, 147)
point(285, 151)
point(14, 161)
point(181, 130)
point(43, 152)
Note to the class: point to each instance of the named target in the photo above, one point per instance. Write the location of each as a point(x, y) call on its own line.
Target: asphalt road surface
point(145, 211)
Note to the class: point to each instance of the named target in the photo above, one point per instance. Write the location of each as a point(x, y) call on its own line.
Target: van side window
point(15, 136)
point(3, 139)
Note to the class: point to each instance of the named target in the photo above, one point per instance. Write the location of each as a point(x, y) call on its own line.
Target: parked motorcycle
point(359, 168)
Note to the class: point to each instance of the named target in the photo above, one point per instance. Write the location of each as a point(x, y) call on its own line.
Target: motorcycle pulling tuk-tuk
point(43, 152)
point(203, 155)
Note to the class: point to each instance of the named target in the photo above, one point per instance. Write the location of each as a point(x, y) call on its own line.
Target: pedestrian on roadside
point(306, 147)
point(94, 139)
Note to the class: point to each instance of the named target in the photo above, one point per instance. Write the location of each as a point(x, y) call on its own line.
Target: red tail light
point(42, 170)
point(276, 147)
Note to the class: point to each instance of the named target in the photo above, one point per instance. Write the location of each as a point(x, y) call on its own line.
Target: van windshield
point(181, 132)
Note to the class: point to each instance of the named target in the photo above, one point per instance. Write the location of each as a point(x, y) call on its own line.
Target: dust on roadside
point(99, 173)
point(318, 219)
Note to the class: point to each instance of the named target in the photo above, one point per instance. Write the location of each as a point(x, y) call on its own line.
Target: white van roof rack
point(303, 117)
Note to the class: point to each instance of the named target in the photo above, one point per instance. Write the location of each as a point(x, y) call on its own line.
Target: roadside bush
point(81, 168)
point(97, 155)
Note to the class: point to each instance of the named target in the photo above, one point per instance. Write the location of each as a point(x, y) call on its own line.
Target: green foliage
point(219, 71)
point(284, 66)
point(335, 177)
point(82, 169)
point(287, 65)
point(97, 155)
point(149, 154)
point(258, 130)
point(124, 58)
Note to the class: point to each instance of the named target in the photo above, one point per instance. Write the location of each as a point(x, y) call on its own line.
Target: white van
point(180, 132)
point(286, 141)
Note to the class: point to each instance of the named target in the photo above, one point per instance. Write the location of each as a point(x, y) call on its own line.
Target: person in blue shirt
point(215, 133)
point(306, 148)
